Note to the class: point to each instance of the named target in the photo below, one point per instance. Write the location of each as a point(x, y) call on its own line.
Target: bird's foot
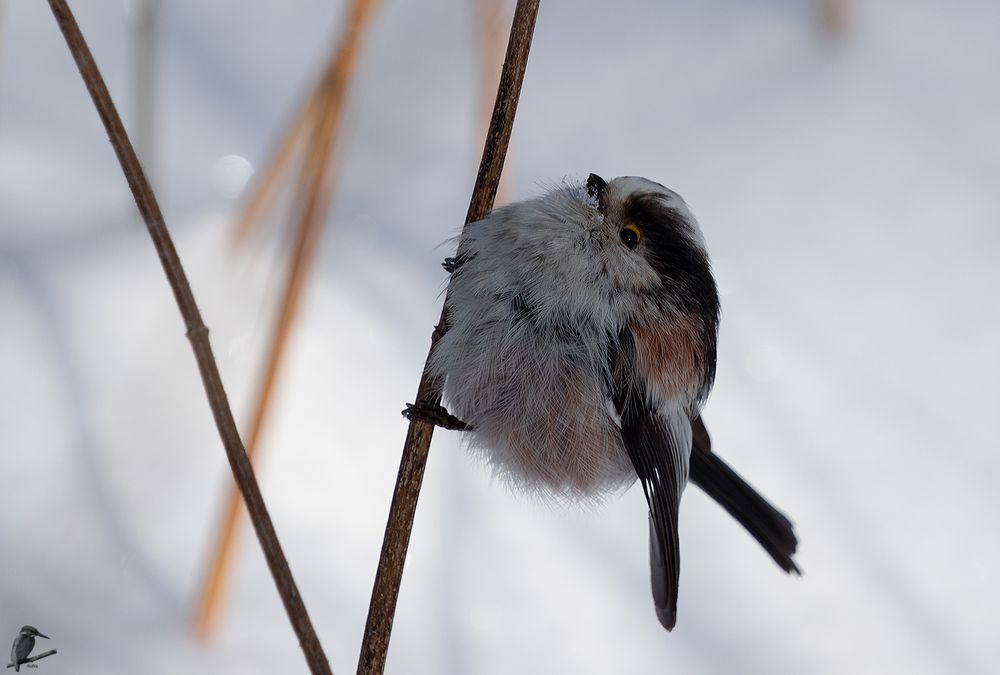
point(434, 414)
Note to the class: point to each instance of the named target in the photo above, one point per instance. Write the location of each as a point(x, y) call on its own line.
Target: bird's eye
point(630, 235)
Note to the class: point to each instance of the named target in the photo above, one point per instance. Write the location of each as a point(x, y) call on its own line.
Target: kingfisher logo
point(20, 651)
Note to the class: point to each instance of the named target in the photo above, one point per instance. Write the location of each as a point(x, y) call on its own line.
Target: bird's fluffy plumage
point(580, 346)
point(581, 340)
point(542, 291)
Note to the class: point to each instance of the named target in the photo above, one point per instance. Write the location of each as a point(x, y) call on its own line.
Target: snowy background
point(850, 194)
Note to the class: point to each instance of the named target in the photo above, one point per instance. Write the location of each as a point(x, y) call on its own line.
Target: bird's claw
point(434, 414)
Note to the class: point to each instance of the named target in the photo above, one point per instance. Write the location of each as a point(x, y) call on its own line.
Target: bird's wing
point(657, 438)
point(764, 522)
point(20, 650)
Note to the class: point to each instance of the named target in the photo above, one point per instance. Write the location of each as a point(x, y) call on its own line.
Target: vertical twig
point(197, 334)
point(315, 181)
point(418, 437)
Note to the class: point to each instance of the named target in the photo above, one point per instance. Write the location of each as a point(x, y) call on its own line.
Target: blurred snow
point(848, 190)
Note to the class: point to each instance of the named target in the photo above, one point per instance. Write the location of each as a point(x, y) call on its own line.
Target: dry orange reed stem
point(317, 125)
point(492, 19)
point(266, 187)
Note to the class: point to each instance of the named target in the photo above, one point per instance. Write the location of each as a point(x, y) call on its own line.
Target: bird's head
point(650, 244)
point(32, 631)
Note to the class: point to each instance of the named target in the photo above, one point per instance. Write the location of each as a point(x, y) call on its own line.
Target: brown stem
point(197, 334)
point(418, 437)
point(313, 199)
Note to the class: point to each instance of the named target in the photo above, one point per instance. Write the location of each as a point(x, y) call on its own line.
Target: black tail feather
point(764, 522)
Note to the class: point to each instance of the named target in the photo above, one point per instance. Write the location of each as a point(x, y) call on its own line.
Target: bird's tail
point(764, 522)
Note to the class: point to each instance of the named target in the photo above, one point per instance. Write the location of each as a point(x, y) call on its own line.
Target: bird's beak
point(44, 636)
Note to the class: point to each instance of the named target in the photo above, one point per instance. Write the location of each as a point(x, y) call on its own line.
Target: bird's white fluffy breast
point(525, 355)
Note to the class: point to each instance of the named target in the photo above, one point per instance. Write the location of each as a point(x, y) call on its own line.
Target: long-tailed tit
point(579, 347)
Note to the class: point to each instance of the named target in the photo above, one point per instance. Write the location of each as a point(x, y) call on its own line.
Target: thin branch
point(495, 150)
point(385, 592)
point(36, 657)
point(197, 334)
point(315, 183)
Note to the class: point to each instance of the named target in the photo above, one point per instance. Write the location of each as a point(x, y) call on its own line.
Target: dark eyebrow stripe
point(649, 208)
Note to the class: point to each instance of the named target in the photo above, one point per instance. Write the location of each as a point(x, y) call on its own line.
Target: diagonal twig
point(197, 334)
point(315, 183)
point(418, 436)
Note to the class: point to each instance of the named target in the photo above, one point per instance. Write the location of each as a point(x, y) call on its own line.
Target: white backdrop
point(848, 191)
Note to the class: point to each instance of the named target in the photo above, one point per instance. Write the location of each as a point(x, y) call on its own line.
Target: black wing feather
point(658, 462)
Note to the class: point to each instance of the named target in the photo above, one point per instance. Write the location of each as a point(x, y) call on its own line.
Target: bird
point(577, 350)
point(23, 644)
